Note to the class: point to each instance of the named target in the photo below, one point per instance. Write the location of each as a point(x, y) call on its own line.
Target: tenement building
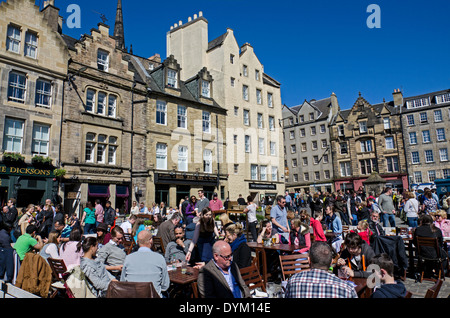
point(185, 133)
point(252, 99)
point(33, 68)
point(426, 120)
point(365, 139)
point(306, 130)
point(104, 125)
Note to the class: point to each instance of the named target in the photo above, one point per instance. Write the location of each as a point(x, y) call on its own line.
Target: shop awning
point(101, 191)
point(122, 191)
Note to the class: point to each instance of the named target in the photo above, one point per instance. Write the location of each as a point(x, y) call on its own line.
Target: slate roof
point(154, 83)
point(70, 41)
point(322, 105)
point(216, 42)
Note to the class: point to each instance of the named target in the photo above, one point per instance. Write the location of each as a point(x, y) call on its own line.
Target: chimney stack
point(51, 14)
point(398, 97)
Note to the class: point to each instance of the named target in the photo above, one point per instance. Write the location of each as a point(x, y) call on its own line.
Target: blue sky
point(313, 48)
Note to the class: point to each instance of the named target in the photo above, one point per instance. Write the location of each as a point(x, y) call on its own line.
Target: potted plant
point(13, 157)
point(59, 173)
point(41, 161)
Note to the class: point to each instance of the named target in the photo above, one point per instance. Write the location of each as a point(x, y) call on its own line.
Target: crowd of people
point(192, 234)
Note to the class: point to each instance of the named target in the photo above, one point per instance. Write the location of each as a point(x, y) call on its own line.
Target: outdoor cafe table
point(181, 281)
point(361, 287)
point(261, 253)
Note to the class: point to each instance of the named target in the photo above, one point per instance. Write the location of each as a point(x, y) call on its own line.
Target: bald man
point(144, 265)
point(220, 277)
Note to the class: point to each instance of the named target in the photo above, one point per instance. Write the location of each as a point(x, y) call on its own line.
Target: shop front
point(77, 194)
point(263, 193)
point(28, 184)
point(171, 187)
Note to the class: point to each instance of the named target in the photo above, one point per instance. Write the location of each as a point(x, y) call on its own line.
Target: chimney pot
point(200, 14)
point(189, 19)
point(195, 16)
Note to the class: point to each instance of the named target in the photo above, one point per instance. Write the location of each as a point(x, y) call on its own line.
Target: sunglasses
point(226, 257)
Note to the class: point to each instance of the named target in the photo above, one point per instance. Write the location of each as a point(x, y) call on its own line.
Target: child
point(363, 230)
point(390, 288)
point(300, 235)
point(316, 224)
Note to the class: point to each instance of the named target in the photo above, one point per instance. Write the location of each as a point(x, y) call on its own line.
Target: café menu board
point(25, 171)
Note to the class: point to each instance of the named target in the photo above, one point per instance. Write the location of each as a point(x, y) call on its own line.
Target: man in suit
point(144, 265)
point(220, 277)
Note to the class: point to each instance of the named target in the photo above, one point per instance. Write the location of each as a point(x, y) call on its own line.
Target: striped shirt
point(318, 283)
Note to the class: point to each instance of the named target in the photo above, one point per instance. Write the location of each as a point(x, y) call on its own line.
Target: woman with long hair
point(411, 209)
point(70, 252)
point(50, 249)
point(27, 218)
point(191, 209)
point(429, 205)
point(204, 236)
point(138, 226)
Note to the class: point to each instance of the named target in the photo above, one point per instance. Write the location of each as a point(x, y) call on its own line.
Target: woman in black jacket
point(235, 236)
point(428, 229)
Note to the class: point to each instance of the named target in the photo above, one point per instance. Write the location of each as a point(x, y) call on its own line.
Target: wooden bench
point(10, 291)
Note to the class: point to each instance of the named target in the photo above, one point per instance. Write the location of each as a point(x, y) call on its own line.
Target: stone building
point(104, 127)
point(185, 133)
point(425, 121)
point(33, 69)
point(251, 98)
point(308, 162)
point(368, 138)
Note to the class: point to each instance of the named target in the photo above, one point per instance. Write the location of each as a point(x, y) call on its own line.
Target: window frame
point(39, 141)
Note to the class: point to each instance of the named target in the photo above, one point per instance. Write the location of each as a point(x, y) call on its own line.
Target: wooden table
point(261, 253)
point(361, 287)
point(181, 282)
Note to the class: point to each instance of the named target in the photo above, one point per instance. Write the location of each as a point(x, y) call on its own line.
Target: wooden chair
point(118, 289)
point(128, 242)
point(294, 263)
point(433, 292)
point(438, 262)
point(195, 293)
point(252, 277)
point(408, 294)
point(158, 245)
point(59, 271)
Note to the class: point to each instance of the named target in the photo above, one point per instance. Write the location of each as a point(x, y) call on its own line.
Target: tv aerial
point(102, 16)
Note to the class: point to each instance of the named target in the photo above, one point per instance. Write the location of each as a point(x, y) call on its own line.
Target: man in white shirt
point(128, 224)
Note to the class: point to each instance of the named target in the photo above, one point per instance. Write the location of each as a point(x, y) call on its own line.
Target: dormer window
point(13, 39)
point(419, 102)
point(363, 127)
point(206, 89)
point(445, 98)
point(31, 40)
point(172, 78)
point(102, 60)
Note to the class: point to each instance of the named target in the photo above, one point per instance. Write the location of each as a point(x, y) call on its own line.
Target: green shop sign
point(25, 171)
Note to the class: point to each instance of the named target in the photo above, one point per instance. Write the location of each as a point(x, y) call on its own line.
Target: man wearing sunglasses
point(278, 216)
point(220, 277)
